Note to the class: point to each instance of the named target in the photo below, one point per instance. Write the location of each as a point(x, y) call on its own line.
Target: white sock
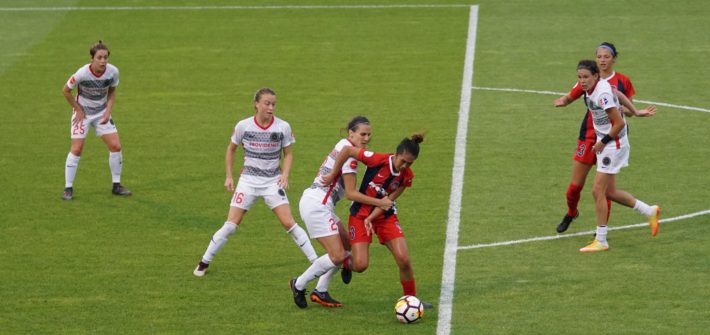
point(321, 265)
point(115, 162)
point(324, 280)
point(643, 208)
point(70, 169)
point(301, 238)
point(601, 233)
point(219, 239)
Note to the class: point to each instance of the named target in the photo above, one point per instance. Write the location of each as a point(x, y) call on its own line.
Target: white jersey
point(601, 99)
point(92, 93)
point(331, 194)
point(262, 149)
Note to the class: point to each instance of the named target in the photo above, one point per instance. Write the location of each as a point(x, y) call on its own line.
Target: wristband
point(606, 139)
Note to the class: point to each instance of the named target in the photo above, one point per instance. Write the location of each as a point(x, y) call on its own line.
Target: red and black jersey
point(616, 80)
point(379, 181)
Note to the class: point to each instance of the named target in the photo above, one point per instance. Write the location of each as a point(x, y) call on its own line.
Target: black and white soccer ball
point(408, 309)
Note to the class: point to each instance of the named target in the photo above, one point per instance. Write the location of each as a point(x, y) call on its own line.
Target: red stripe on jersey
point(331, 187)
point(264, 127)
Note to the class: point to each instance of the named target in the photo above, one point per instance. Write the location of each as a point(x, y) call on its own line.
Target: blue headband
point(613, 53)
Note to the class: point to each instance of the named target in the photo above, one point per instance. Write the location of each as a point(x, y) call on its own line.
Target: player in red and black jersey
point(387, 175)
point(584, 158)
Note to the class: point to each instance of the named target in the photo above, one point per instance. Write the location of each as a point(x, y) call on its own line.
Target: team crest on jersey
point(368, 153)
point(606, 161)
point(395, 185)
point(275, 136)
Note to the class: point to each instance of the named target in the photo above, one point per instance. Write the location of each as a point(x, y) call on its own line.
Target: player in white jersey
point(96, 91)
point(317, 207)
point(612, 150)
point(263, 138)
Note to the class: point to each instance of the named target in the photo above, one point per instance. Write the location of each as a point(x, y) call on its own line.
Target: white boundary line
point(561, 93)
point(448, 277)
point(582, 233)
point(139, 8)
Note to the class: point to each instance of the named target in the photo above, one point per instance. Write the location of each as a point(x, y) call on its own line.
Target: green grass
point(101, 264)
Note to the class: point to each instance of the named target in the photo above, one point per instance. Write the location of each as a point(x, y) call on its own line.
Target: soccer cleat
point(299, 296)
point(595, 246)
point(653, 220)
point(68, 193)
point(324, 299)
point(118, 189)
point(200, 269)
point(346, 275)
point(564, 224)
point(427, 305)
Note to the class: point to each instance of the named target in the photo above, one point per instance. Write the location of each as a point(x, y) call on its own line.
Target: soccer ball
point(408, 309)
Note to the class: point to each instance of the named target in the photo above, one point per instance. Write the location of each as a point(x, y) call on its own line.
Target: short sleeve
point(73, 80)
point(576, 91)
point(115, 79)
point(288, 137)
point(237, 134)
point(371, 158)
point(606, 101)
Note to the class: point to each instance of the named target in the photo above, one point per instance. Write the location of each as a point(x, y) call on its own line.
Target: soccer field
point(102, 264)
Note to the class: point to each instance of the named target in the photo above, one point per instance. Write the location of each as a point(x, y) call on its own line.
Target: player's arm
point(75, 105)
point(229, 161)
point(617, 124)
point(286, 167)
point(343, 155)
point(351, 192)
point(377, 211)
point(629, 109)
point(109, 105)
point(563, 101)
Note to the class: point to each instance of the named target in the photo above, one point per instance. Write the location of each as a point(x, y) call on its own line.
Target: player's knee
point(337, 257)
point(114, 147)
point(404, 263)
point(360, 266)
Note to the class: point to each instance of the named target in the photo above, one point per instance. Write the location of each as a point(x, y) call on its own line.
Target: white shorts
point(611, 160)
point(79, 131)
point(320, 219)
point(245, 196)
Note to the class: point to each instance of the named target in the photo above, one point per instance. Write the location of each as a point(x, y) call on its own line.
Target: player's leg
point(625, 198)
point(242, 200)
point(359, 245)
point(78, 132)
point(346, 274)
point(71, 166)
point(299, 236)
point(400, 252)
point(109, 135)
point(582, 162)
point(599, 191)
point(325, 264)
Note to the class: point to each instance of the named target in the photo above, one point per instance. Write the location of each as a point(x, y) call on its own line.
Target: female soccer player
point(584, 158)
point(612, 151)
point(263, 137)
point(317, 208)
point(96, 84)
point(387, 176)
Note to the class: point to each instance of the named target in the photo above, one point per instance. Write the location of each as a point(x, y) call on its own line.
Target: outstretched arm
point(629, 109)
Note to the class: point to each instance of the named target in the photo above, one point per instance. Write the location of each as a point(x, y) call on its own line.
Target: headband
point(613, 53)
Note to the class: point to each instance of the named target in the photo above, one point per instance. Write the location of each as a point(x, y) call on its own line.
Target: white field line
point(448, 277)
point(581, 233)
point(664, 104)
point(140, 8)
